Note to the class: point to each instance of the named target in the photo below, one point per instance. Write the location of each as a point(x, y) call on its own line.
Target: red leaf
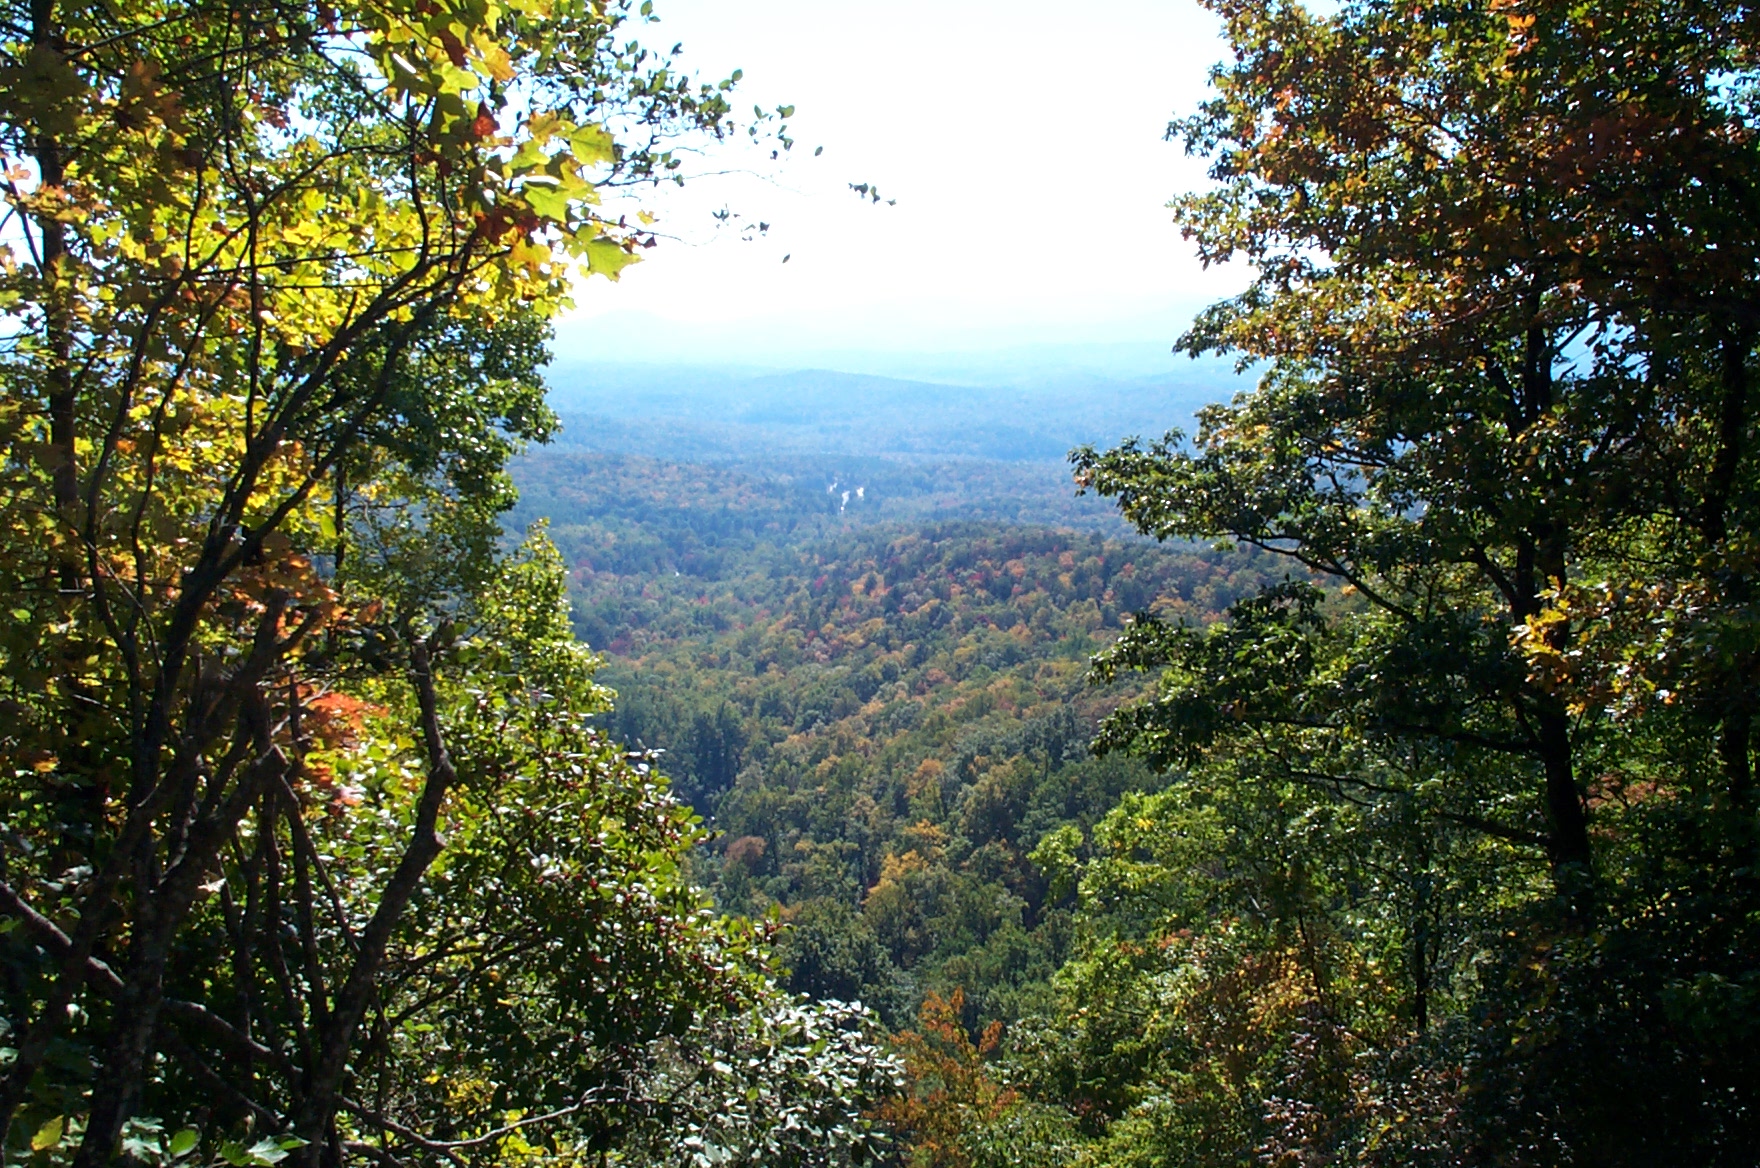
point(453, 47)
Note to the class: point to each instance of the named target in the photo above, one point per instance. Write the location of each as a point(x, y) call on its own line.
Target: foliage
point(789, 1084)
point(310, 854)
point(881, 727)
point(1253, 965)
point(1505, 297)
point(954, 1112)
point(949, 1092)
point(634, 516)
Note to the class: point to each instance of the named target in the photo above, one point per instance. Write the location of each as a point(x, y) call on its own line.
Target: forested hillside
point(879, 718)
point(884, 725)
point(702, 413)
point(631, 515)
point(1424, 836)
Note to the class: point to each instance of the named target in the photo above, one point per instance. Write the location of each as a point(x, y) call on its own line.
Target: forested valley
point(880, 719)
point(419, 750)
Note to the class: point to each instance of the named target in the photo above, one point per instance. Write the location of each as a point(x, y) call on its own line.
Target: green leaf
point(547, 201)
point(529, 156)
point(184, 1142)
point(606, 257)
point(267, 1150)
point(592, 145)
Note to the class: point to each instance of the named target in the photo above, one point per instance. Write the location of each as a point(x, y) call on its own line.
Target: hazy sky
point(1022, 142)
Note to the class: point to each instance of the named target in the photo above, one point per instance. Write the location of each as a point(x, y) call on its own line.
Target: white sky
point(1022, 142)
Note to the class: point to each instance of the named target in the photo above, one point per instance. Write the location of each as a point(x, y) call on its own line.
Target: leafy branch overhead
point(298, 783)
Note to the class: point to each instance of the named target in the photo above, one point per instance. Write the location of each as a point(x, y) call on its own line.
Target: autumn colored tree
point(948, 1091)
point(1507, 285)
point(309, 850)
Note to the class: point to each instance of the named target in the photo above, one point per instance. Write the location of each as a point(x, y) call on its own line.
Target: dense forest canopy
point(1366, 777)
point(883, 725)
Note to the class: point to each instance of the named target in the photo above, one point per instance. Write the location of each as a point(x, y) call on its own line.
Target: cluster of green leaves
point(792, 1084)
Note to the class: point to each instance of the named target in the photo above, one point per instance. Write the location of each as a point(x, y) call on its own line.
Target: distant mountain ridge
point(730, 413)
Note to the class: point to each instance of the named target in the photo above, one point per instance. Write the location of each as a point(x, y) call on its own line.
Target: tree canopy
point(1504, 312)
point(310, 850)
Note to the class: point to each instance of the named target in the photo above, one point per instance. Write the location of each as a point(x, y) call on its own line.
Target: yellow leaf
point(49, 1134)
point(529, 156)
point(543, 126)
point(531, 256)
point(592, 145)
point(497, 62)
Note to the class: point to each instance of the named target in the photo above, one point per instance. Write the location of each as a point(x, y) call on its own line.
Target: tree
point(949, 1094)
point(282, 724)
point(1505, 298)
point(1506, 284)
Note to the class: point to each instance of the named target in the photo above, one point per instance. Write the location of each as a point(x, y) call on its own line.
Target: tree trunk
point(57, 334)
point(314, 1115)
point(1571, 854)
